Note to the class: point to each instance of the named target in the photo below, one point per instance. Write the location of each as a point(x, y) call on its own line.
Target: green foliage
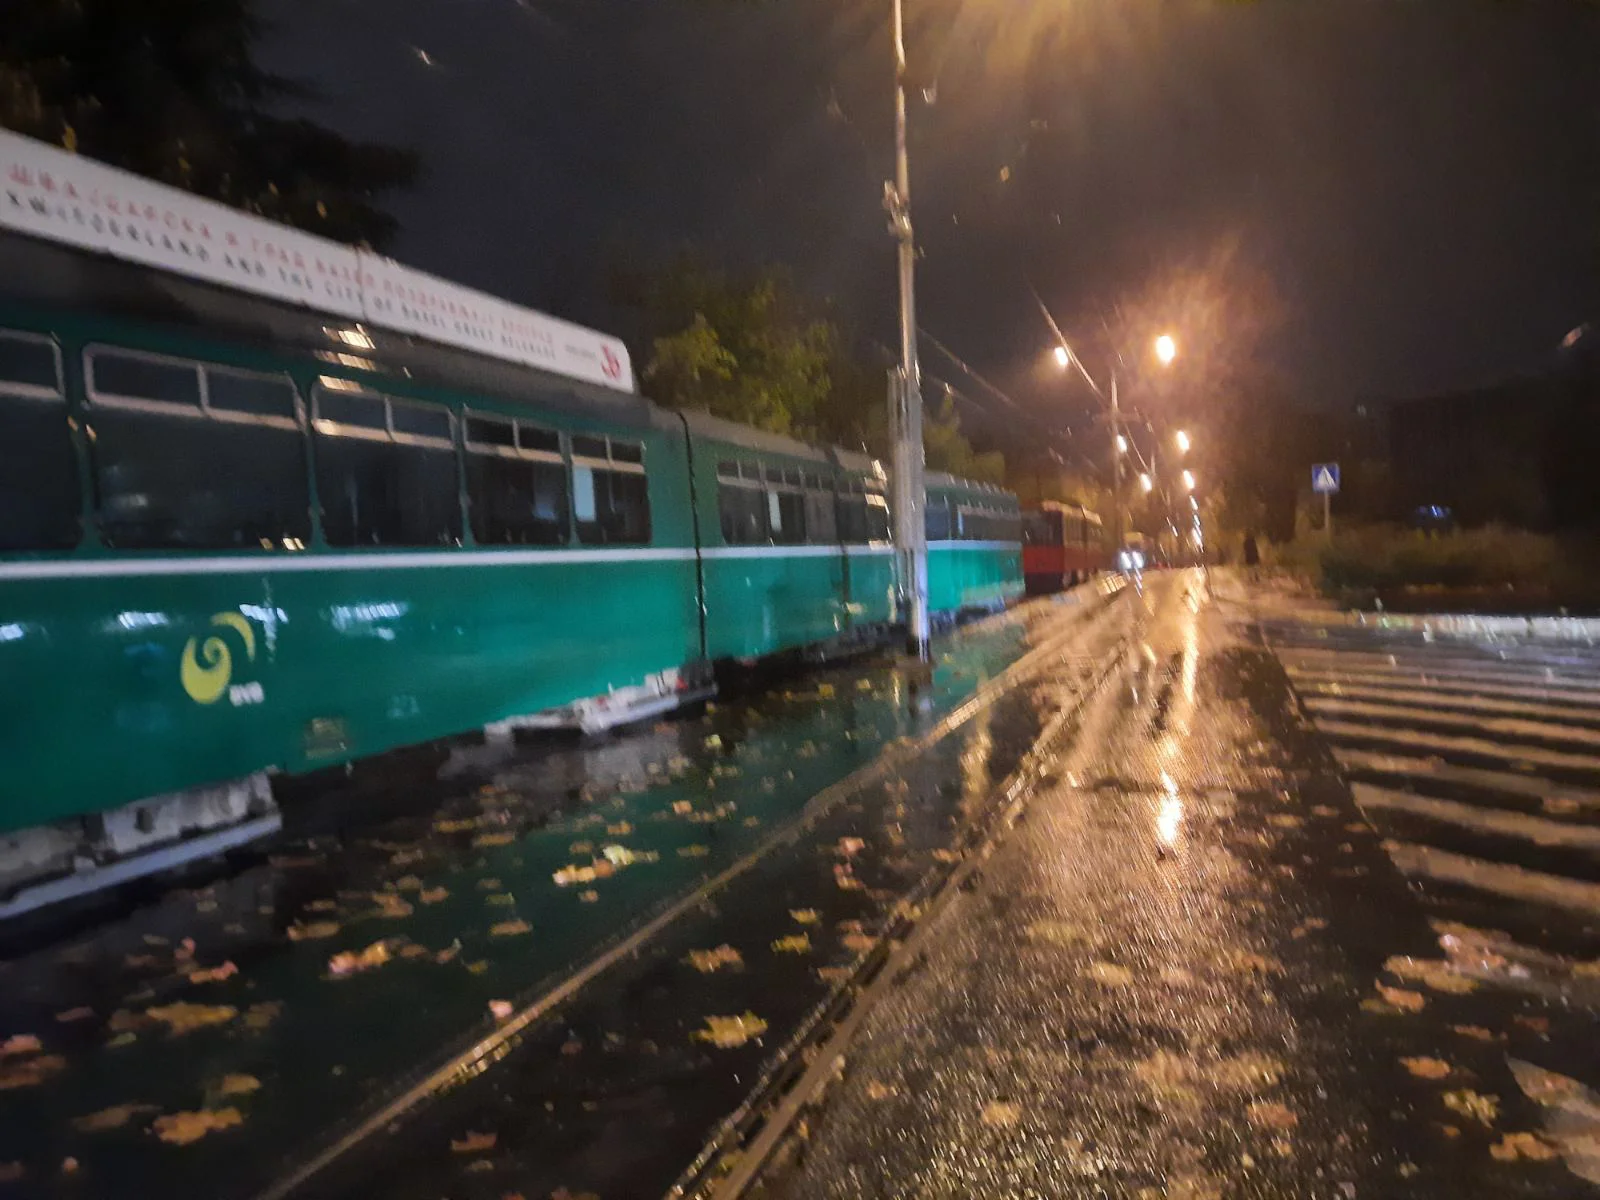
point(170, 90)
point(753, 349)
point(1384, 560)
point(948, 449)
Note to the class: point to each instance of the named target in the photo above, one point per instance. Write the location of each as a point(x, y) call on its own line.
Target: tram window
point(544, 441)
point(355, 409)
point(612, 507)
point(727, 470)
point(516, 502)
point(250, 395)
point(743, 511)
point(852, 520)
point(39, 506)
point(422, 421)
point(135, 377)
point(482, 431)
point(171, 482)
point(821, 528)
point(787, 514)
point(610, 496)
point(938, 520)
point(28, 366)
point(376, 491)
point(877, 518)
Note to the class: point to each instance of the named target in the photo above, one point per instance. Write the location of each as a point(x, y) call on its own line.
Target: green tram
point(238, 538)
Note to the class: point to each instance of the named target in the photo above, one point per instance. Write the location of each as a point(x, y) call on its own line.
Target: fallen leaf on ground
point(1522, 1145)
point(1537, 1024)
point(312, 931)
point(858, 943)
point(693, 851)
point(351, 962)
point(620, 829)
point(844, 880)
point(850, 846)
point(1560, 804)
point(1435, 973)
point(179, 1129)
point(1109, 974)
point(27, 1072)
point(505, 899)
point(880, 1091)
point(494, 839)
point(75, 1014)
point(114, 1117)
point(729, 1033)
point(1477, 1032)
point(1474, 1105)
point(572, 873)
point(803, 916)
point(795, 943)
point(1056, 933)
point(455, 826)
point(1426, 1068)
point(20, 1043)
point(1402, 999)
point(833, 974)
point(946, 856)
point(1001, 1113)
point(214, 974)
point(183, 1018)
point(706, 961)
point(433, 895)
point(589, 896)
point(500, 1010)
point(1284, 821)
point(510, 928)
point(473, 1143)
point(392, 905)
point(259, 1016)
point(1268, 1114)
point(479, 967)
point(238, 1085)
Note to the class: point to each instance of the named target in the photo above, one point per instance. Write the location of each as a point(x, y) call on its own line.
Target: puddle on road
point(355, 954)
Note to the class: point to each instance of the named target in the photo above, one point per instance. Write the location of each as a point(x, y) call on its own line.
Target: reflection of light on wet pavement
point(1169, 819)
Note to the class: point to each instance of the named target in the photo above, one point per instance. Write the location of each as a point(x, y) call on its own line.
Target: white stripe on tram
point(109, 568)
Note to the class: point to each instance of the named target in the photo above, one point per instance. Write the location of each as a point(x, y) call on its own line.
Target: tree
point(948, 449)
point(170, 90)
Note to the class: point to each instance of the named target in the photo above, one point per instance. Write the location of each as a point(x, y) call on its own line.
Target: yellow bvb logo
point(207, 665)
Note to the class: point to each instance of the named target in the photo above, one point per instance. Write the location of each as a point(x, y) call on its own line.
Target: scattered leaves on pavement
point(1001, 1113)
point(179, 1129)
point(1522, 1145)
point(795, 943)
point(1426, 1068)
point(510, 928)
point(184, 1018)
point(707, 961)
point(1473, 1105)
point(729, 1033)
point(473, 1143)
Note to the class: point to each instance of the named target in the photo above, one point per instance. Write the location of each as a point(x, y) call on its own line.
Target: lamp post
point(1166, 349)
point(905, 384)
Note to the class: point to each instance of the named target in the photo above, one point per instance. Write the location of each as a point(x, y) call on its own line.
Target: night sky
point(1417, 181)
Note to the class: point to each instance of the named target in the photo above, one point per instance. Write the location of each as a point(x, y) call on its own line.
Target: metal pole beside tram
point(905, 405)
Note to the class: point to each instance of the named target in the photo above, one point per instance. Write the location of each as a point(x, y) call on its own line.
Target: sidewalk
point(1176, 978)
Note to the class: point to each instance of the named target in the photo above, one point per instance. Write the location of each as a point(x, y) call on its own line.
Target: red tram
point(1062, 545)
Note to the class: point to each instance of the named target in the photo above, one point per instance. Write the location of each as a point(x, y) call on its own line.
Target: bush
point(1386, 559)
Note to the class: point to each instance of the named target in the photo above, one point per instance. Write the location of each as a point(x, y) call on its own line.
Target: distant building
point(1522, 452)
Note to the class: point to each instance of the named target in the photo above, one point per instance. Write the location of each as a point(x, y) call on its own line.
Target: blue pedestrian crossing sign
point(1325, 478)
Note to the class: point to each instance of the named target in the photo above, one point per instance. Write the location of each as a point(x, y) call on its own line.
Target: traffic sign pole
point(1327, 516)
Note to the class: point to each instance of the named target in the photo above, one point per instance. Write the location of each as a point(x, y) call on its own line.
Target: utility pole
point(1118, 542)
point(905, 407)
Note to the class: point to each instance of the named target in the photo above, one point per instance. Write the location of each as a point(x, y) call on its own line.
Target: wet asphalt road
point(206, 1038)
point(1194, 971)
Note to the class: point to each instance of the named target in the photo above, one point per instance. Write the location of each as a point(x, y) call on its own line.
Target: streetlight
point(1166, 349)
point(1063, 357)
point(1122, 444)
point(1188, 481)
point(1182, 439)
point(1146, 482)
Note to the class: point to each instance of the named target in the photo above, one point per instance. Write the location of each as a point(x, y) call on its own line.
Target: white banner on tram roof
point(49, 193)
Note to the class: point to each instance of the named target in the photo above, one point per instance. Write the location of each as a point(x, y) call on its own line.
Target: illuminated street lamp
point(1146, 482)
point(1194, 505)
point(1063, 357)
point(1166, 349)
point(1188, 481)
point(1122, 444)
point(1182, 439)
